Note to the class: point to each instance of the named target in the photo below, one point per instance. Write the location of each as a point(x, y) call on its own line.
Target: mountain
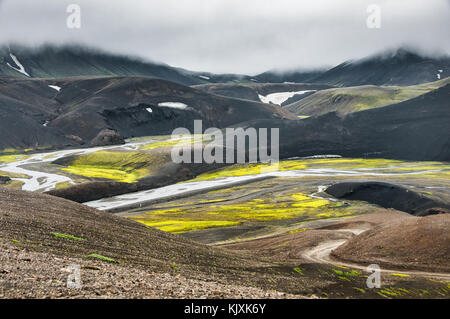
point(254, 91)
point(74, 111)
point(416, 129)
point(397, 67)
point(289, 76)
point(65, 61)
point(358, 98)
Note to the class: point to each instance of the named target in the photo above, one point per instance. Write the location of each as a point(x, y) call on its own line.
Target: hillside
point(289, 76)
point(395, 67)
point(425, 238)
point(73, 111)
point(416, 129)
point(254, 91)
point(358, 98)
point(65, 61)
point(46, 230)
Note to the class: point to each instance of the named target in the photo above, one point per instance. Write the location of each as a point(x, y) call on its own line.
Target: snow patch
point(149, 110)
point(174, 105)
point(21, 69)
point(280, 97)
point(55, 87)
point(204, 77)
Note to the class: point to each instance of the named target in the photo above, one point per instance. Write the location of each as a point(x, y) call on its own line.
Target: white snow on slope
point(149, 110)
point(280, 97)
point(204, 77)
point(174, 105)
point(21, 69)
point(55, 87)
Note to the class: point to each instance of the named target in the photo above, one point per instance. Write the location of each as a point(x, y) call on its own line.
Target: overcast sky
point(240, 36)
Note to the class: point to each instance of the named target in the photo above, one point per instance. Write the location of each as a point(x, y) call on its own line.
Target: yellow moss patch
point(120, 166)
point(12, 158)
point(182, 226)
point(256, 210)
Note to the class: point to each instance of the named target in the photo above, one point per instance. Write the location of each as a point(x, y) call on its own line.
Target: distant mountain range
point(397, 67)
point(66, 61)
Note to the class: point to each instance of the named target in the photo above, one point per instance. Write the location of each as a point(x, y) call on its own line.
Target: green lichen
point(103, 258)
point(67, 236)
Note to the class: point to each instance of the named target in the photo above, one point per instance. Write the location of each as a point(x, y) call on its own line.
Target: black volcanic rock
point(251, 91)
point(107, 137)
point(389, 196)
point(4, 180)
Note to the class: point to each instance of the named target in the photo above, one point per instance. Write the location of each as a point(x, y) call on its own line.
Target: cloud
point(239, 36)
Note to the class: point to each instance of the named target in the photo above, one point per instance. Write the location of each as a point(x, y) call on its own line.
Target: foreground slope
point(55, 230)
point(420, 242)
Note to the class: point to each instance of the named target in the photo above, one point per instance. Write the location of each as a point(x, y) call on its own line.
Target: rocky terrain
point(82, 108)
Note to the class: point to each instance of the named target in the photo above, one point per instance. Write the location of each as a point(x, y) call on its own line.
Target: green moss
point(103, 258)
point(298, 270)
point(360, 290)
point(343, 278)
point(67, 236)
point(352, 273)
point(338, 272)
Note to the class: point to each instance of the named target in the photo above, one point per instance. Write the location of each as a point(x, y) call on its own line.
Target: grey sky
point(241, 36)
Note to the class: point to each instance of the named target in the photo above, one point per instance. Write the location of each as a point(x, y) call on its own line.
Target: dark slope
point(417, 129)
point(389, 196)
point(24, 108)
point(57, 62)
point(399, 67)
point(251, 91)
point(289, 76)
point(35, 115)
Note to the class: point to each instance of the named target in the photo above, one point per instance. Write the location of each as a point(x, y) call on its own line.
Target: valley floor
point(279, 216)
